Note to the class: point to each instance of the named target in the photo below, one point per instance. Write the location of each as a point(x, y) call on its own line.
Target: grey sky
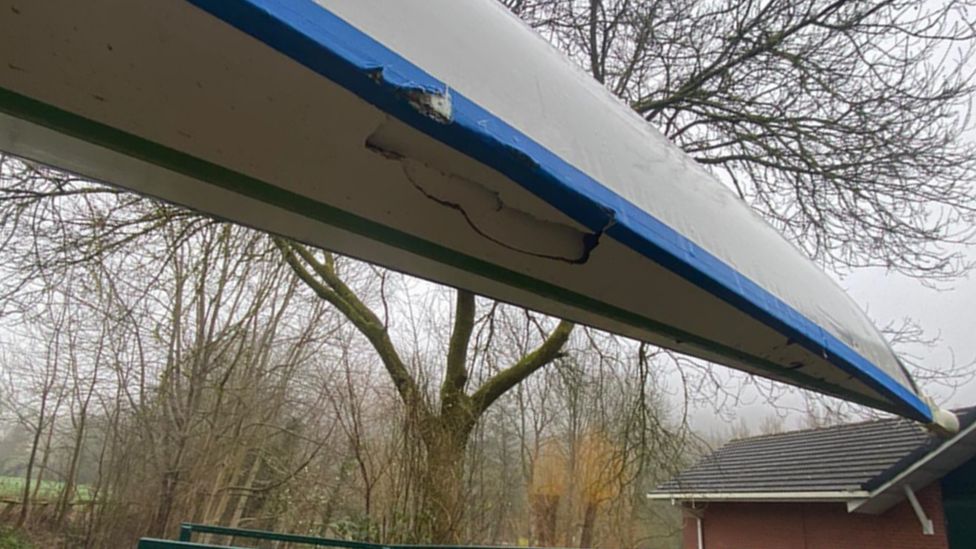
point(947, 313)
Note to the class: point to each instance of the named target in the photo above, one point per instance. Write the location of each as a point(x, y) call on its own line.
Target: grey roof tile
point(857, 456)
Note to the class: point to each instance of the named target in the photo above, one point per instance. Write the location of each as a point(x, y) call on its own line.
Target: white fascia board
point(921, 473)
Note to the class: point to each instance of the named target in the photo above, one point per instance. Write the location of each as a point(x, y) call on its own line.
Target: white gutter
point(699, 515)
point(701, 535)
point(928, 528)
point(906, 477)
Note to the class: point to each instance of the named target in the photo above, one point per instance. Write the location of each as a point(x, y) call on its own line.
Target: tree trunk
point(247, 489)
point(444, 485)
point(545, 509)
point(26, 500)
point(589, 521)
point(67, 493)
point(167, 497)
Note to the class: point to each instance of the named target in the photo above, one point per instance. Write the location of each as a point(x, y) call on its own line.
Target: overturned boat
point(439, 138)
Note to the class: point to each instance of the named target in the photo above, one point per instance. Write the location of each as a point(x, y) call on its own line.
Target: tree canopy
point(842, 122)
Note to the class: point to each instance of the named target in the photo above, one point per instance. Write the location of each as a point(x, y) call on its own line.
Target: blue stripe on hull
point(321, 41)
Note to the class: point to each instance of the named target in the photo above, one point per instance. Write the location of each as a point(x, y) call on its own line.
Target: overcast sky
point(948, 313)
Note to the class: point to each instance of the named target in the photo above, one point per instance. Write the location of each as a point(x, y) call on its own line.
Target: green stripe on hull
point(116, 140)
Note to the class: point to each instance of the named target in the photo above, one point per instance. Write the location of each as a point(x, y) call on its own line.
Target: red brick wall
point(817, 526)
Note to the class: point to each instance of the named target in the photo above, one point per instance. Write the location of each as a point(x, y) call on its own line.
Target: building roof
point(838, 463)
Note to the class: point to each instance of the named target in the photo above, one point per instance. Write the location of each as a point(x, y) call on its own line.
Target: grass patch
point(10, 539)
point(13, 488)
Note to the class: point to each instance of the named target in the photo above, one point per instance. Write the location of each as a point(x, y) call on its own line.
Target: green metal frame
point(152, 543)
point(187, 530)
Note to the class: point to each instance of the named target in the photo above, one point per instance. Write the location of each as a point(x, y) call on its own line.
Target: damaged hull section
point(442, 139)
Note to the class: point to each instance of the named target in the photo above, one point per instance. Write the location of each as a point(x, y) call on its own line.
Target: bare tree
point(445, 425)
point(841, 121)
